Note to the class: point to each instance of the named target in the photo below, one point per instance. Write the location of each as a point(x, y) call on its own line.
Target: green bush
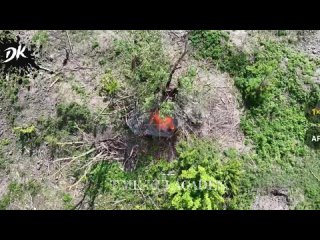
point(200, 161)
point(40, 37)
point(211, 44)
point(276, 87)
point(215, 45)
point(144, 63)
point(167, 109)
point(28, 137)
point(73, 116)
point(109, 84)
point(17, 190)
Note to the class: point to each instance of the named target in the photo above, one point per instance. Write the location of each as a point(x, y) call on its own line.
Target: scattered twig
point(54, 82)
point(119, 201)
point(73, 159)
point(100, 113)
point(153, 203)
point(70, 143)
point(70, 45)
point(125, 97)
point(79, 68)
point(82, 177)
point(315, 175)
point(46, 69)
point(109, 139)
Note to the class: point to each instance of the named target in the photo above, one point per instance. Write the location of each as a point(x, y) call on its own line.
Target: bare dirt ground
point(214, 104)
point(275, 199)
point(309, 42)
point(45, 91)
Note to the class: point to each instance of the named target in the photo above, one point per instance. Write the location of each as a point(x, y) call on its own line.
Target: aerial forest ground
point(240, 100)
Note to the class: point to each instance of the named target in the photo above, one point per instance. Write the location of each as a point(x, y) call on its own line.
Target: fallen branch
point(70, 143)
point(46, 69)
point(153, 203)
point(73, 159)
point(82, 177)
point(315, 175)
point(70, 45)
point(167, 91)
point(54, 82)
point(175, 66)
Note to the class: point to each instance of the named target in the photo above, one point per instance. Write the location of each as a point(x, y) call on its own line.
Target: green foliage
point(4, 142)
point(167, 109)
point(193, 197)
point(4, 164)
point(40, 38)
point(71, 119)
point(281, 33)
point(158, 185)
point(143, 63)
point(28, 137)
point(215, 44)
point(5, 34)
point(101, 180)
point(10, 88)
point(79, 89)
point(212, 44)
point(3, 160)
point(67, 201)
point(73, 116)
point(276, 87)
point(95, 45)
point(211, 180)
point(186, 82)
point(33, 187)
point(16, 191)
point(109, 84)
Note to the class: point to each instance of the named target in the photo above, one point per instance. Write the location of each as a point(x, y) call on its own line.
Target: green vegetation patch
point(201, 178)
point(275, 83)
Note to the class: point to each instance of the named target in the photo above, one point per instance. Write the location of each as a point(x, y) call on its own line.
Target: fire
point(162, 124)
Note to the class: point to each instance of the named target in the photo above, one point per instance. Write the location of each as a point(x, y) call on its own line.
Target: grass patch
point(17, 190)
point(156, 185)
point(276, 88)
point(67, 201)
point(144, 64)
point(28, 137)
point(40, 38)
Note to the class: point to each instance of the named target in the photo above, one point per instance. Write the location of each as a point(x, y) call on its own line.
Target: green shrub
point(109, 84)
point(277, 88)
point(167, 109)
point(15, 192)
point(186, 82)
point(211, 44)
point(200, 161)
point(144, 63)
point(71, 116)
point(28, 137)
point(40, 37)
point(67, 201)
